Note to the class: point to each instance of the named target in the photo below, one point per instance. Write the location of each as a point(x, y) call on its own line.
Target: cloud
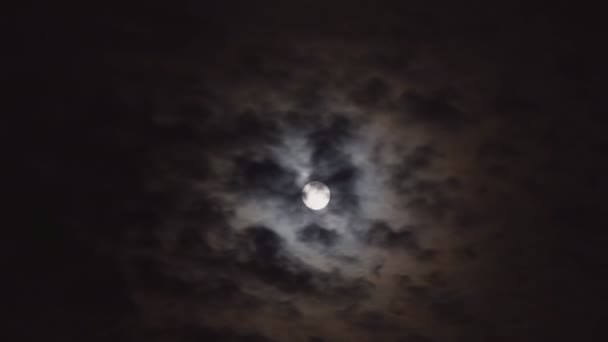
point(316, 339)
point(264, 178)
point(421, 157)
point(332, 164)
point(436, 109)
point(499, 150)
point(374, 321)
point(202, 333)
point(315, 234)
point(189, 174)
point(380, 234)
point(371, 93)
point(416, 338)
point(266, 259)
point(445, 303)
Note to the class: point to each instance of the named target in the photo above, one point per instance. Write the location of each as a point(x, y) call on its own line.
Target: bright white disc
point(315, 195)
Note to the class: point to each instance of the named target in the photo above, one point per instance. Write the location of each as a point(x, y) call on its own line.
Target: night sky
point(165, 147)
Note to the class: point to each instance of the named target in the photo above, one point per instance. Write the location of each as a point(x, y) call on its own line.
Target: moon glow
point(315, 195)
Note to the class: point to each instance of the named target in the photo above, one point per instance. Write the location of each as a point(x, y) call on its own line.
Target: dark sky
point(165, 147)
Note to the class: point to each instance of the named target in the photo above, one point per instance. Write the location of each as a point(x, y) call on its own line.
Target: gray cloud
point(315, 234)
point(380, 234)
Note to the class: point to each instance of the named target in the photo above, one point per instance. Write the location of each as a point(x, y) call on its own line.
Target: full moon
point(315, 195)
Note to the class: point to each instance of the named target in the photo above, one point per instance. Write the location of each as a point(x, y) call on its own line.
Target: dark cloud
point(316, 339)
point(335, 134)
point(406, 176)
point(382, 235)
point(433, 205)
point(255, 65)
point(453, 183)
point(371, 93)
point(445, 303)
point(393, 60)
point(332, 164)
point(498, 170)
point(467, 253)
point(203, 333)
point(426, 255)
point(403, 280)
point(342, 183)
point(327, 143)
point(267, 260)
point(240, 130)
point(499, 150)
point(471, 219)
point(416, 338)
point(310, 99)
point(287, 310)
point(301, 121)
point(315, 234)
point(264, 178)
point(333, 286)
point(421, 157)
point(374, 321)
point(435, 279)
point(436, 110)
